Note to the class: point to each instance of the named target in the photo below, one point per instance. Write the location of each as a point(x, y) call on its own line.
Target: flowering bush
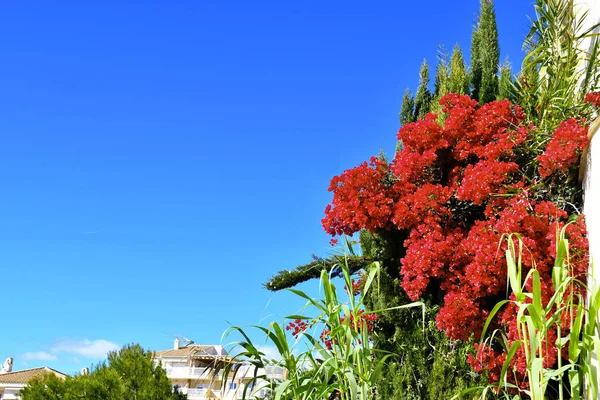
point(563, 151)
point(454, 190)
point(551, 342)
point(593, 98)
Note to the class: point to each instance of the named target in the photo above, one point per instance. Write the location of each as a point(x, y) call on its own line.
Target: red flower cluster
point(594, 98)
point(487, 359)
point(362, 200)
point(567, 143)
point(362, 321)
point(455, 190)
point(356, 286)
point(298, 326)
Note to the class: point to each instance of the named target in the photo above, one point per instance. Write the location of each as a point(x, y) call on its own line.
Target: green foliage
point(407, 111)
point(458, 81)
point(343, 365)
point(575, 323)
point(129, 374)
point(485, 55)
point(285, 279)
point(441, 75)
point(427, 358)
point(561, 66)
point(506, 84)
point(475, 70)
point(48, 387)
point(423, 96)
point(441, 87)
point(556, 75)
point(429, 366)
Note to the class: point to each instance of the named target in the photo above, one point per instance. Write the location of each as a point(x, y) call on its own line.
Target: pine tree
point(423, 96)
point(129, 374)
point(407, 111)
point(485, 55)
point(458, 82)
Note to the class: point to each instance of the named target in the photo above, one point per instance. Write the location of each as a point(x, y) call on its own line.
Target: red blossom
point(357, 285)
point(297, 326)
point(361, 200)
point(454, 191)
point(484, 178)
point(594, 98)
point(564, 149)
point(358, 323)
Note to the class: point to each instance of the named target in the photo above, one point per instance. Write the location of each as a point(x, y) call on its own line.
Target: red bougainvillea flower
point(362, 200)
point(564, 149)
point(453, 192)
point(357, 285)
point(594, 98)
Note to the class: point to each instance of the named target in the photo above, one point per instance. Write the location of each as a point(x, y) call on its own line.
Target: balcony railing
point(200, 394)
point(189, 372)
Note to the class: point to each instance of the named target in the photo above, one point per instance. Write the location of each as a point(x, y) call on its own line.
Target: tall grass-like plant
point(338, 361)
point(562, 64)
point(567, 316)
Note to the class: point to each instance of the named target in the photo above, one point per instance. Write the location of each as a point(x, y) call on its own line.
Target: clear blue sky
point(161, 159)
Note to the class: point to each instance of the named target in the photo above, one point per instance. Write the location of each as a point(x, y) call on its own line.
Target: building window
point(233, 386)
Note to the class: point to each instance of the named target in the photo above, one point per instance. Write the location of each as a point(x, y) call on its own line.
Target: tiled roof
point(187, 351)
point(22, 377)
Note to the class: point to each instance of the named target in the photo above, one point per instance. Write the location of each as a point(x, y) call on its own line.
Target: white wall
point(592, 214)
point(11, 393)
point(591, 182)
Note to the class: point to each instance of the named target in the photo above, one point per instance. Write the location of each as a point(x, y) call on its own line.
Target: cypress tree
point(506, 83)
point(423, 96)
point(441, 86)
point(407, 111)
point(458, 82)
point(475, 70)
point(490, 52)
point(485, 55)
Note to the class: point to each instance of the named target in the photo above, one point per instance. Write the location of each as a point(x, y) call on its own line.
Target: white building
point(189, 367)
point(11, 383)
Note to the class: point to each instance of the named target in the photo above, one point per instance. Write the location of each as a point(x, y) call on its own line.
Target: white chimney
point(176, 346)
point(7, 367)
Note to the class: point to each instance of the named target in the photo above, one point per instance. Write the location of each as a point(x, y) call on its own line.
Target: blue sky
point(161, 159)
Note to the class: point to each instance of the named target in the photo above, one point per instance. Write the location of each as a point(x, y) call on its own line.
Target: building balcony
point(201, 394)
point(191, 373)
point(204, 394)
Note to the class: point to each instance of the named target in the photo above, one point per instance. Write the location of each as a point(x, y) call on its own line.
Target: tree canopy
point(128, 374)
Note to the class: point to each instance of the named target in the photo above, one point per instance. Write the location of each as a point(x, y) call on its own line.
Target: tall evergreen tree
point(407, 111)
point(441, 86)
point(423, 96)
point(458, 81)
point(475, 69)
point(505, 83)
point(485, 55)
